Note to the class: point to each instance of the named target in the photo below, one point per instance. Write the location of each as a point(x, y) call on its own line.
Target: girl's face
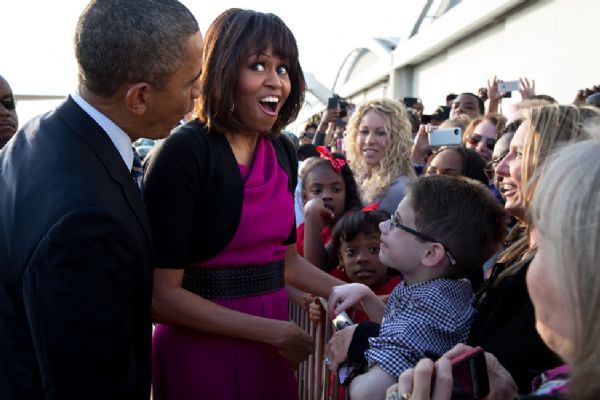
point(322, 182)
point(509, 172)
point(373, 141)
point(553, 321)
point(263, 86)
point(360, 258)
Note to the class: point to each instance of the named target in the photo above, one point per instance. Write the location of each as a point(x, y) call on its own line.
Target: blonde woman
point(378, 149)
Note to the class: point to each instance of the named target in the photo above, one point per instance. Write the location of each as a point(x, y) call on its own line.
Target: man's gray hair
point(126, 41)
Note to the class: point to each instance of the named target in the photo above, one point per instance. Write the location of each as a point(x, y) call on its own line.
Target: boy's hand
point(345, 296)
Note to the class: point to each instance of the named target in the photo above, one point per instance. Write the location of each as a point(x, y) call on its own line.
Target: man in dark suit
point(75, 242)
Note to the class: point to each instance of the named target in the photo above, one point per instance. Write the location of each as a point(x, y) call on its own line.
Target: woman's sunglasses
point(8, 102)
point(475, 138)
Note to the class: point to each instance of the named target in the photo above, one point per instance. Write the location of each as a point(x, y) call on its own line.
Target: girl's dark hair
point(352, 196)
point(355, 222)
point(232, 37)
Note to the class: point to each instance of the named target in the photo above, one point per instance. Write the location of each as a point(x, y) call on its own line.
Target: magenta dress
point(193, 366)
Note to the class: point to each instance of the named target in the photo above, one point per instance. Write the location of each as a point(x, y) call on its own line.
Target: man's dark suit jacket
point(75, 273)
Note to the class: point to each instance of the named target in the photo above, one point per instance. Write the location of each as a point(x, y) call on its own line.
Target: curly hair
point(396, 162)
point(352, 199)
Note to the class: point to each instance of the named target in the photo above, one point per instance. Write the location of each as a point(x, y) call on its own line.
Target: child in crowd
point(328, 191)
point(444, 229)
point(356, 239)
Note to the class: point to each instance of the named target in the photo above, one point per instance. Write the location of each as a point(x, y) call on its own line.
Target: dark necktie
point(137, 171)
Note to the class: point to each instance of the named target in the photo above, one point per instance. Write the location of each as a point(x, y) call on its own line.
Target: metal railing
point(313, 375)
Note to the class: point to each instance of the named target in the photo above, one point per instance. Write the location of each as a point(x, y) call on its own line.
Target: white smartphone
point(508, 86)
point(445, 137)
point(342, 321)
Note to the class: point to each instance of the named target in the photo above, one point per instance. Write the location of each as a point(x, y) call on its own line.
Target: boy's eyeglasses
point(475, 138)
point(394, 223)
point(8, 103)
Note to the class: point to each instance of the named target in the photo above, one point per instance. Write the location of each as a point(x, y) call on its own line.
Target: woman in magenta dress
point(219, 192)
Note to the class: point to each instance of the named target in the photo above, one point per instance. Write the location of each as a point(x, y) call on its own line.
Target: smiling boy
point(442, 231)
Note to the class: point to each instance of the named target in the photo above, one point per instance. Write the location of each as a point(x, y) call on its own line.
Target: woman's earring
point(231, 108)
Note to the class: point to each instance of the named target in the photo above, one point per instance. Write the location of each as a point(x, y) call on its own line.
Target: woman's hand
point(420, 383)
point(502, 385)
point(294, 343)
point(336, 349)
point(345, 296)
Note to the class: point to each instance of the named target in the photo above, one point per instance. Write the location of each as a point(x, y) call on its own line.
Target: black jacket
point(75, 274)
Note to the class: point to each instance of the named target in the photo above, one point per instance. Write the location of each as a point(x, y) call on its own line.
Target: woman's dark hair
point(352, 196)
point(355, 222)
point(232, 37)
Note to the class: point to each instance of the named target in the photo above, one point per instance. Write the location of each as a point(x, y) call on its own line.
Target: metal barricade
point(313, 375)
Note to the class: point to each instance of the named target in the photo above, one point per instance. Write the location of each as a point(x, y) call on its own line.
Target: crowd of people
point(487, 238)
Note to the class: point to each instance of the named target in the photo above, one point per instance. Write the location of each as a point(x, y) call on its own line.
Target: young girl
point(356, 237)
point(328, 191)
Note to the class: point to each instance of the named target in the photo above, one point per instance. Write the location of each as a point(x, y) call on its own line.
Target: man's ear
point(136, 98)
point(434, 255)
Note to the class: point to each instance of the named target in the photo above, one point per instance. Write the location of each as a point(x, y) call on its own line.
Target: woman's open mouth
point(269, 105)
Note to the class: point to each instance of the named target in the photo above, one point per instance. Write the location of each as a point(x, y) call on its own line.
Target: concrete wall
point(554, 42)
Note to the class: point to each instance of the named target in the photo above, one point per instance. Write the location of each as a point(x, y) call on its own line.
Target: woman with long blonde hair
point(378, 148)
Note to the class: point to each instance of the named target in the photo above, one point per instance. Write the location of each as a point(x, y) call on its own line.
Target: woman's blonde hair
point(396, 161)
point(549, 126)
point(566, 213)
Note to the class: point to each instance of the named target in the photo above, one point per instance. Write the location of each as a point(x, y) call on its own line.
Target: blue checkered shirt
point(421, 320)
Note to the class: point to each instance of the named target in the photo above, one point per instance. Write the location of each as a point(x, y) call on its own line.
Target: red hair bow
point(336, 163)
point(370, 207)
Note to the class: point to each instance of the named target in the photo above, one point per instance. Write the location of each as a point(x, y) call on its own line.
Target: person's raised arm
point(316, 217)
point(494, 95)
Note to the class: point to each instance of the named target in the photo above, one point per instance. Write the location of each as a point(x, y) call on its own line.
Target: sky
point(37, 50)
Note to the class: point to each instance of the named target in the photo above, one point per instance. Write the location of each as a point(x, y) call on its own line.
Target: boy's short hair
point(463, 215)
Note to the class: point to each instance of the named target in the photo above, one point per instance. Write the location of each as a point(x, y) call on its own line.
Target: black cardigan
point(194, 194)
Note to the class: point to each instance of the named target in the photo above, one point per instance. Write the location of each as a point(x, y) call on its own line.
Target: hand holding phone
point(445, 137)
point(469, 372)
